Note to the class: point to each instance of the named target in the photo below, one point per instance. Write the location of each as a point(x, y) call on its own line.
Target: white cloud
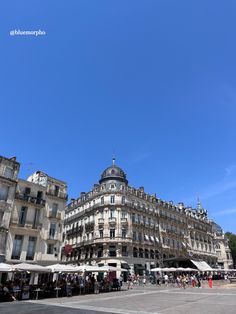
point(230, 170)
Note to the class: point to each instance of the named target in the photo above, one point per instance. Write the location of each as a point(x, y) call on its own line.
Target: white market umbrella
point(88, 268)
point(30, 267)
point(169, 269)
point(61, 268)
point(190, 269)
point(158, 269)
point(111, 268)
point(5, 268)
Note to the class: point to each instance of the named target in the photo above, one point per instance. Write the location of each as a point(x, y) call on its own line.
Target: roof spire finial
point(199, 205)
point(113, 159)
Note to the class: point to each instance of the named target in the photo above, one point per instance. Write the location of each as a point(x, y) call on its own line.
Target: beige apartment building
point(119, 225)
point(31, 215)
point(224, 256)
point(36, 225)
point(9, 169)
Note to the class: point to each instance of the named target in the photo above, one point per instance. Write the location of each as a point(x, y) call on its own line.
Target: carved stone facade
point(9, 169)
point(118, 224)
point(224, 256)
point(31, 215)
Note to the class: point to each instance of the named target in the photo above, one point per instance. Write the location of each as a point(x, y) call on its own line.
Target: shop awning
point(201, 265)
point(152, 238)
point(146, 237)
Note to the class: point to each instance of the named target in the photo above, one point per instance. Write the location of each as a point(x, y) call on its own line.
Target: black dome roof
point(113, 173)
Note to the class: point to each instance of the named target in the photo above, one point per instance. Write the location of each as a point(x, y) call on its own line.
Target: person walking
point(166, 279)
point(210, 281)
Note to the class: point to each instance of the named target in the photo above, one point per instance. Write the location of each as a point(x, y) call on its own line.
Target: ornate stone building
point(36, 224)
point(31, 215)
point(224, 257)
point(117, 224)
point(9, 169)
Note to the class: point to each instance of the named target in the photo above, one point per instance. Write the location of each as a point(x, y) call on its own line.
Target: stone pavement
point(140, 300)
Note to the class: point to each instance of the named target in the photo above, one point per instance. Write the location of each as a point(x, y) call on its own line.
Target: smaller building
point(35, 229)
point(224, 257)
point(9, 169)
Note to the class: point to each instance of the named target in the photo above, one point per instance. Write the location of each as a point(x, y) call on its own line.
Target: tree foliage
point(232, 245)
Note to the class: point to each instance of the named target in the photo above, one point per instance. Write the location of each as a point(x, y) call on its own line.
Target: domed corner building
point(122, 226)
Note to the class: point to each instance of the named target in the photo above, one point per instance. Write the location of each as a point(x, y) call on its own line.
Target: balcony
point(101, 221)
point(89, 226)
point(112, 220)
point(30, 199)
point(57, 193)
point(124, 221)
point(125, 254)
point(55, 237)
point(26, 224)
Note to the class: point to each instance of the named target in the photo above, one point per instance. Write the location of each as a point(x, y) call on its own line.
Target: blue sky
point(151, 81)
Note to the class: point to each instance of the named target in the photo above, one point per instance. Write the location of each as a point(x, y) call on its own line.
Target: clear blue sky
point(152, 81)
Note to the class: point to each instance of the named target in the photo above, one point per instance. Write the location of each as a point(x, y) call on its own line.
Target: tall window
point(123, 200)
point(17, 246)
point(124, 251)
point(140, 236)
point(50, 248)
point(52, 230)
point(102, 200)
point(8, 173)
point(112, 213)
point(112, 233)
point(112, 199)
point(123, 214)
point(123, 233)
point(31, 248)
point(100, 251)
point(27, 191)
point(56, 190)
point(3, 192)
point(112, 250)
point(54, 210)
point(101, 233)
point(22, 216)
point(36, 217)
point(133, 217)
point(134, 235)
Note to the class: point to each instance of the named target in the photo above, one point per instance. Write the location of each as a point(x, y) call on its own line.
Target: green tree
point(232, 245)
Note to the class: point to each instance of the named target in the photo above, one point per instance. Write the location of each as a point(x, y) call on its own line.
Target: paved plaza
point(140, 300)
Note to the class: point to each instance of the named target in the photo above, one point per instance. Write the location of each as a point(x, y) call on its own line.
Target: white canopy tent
point(96, 268)
point(61, 268)
point(112, 268)
point(157, 269)
point(4, 268)
point(88, 268)
point(30, 267)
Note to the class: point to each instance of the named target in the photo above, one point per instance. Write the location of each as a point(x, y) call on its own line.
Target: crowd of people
point(178, 280)
point(65, 285)
point(20, 288)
